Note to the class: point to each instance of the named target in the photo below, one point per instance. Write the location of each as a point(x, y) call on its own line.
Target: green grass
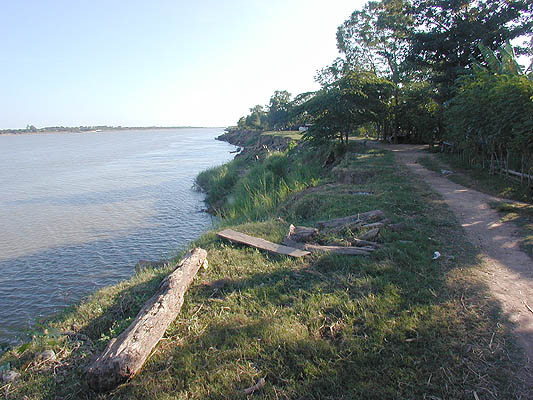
point(396, 324)
point(478, 178)
point(295, 135)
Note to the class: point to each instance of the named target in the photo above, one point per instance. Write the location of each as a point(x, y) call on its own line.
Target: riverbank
point(399, 323)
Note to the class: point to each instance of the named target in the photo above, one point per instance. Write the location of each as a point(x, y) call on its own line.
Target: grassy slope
point(495, 185)
point(394, 325)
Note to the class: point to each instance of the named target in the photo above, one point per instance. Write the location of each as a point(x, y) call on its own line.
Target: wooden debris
point(125, 355)
point(351, 221)
point(302, 233)
point(373, 225)
point(371, 234)
point(260, 383)
point(315, 248)
point(261, 244)
point(362, 243)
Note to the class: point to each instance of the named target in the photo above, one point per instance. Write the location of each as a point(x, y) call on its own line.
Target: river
point(77, 211)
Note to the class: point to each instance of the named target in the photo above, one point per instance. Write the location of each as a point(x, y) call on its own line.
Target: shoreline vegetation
point(88, 129)
point(394, 324)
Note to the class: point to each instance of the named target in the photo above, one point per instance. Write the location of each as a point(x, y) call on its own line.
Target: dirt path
point(509, 272)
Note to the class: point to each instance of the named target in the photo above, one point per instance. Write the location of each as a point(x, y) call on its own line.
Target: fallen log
point(374, 225)
point(371, 234)
point(261, 244)
point(125, 355)
point(316, 248)
point(363, 243)
point(302, 233)
point(352, 220)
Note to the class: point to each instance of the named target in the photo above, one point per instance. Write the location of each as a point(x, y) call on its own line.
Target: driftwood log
point(125, 355)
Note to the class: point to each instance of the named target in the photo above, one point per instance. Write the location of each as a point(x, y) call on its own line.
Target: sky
point(159, 62)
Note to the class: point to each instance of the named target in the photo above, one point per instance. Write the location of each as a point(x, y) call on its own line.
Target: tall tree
point(278, 109)
point(376, 38)
point(352, 101)
point(449, 31)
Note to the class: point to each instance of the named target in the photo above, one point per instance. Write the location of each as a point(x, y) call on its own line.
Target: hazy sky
point(133, 63)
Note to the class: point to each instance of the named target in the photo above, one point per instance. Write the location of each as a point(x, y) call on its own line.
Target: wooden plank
point(261, 244)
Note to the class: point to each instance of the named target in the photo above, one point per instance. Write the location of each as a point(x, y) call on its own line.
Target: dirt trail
point(509, 272)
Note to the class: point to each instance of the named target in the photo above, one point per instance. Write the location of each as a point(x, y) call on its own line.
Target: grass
point(478, 178)
point(396, 324)
point(296, 135)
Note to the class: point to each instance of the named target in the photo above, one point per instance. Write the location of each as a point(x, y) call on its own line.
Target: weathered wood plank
point(125, 355)
point(261, 244)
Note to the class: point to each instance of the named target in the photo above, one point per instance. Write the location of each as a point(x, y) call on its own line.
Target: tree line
point(423, 71)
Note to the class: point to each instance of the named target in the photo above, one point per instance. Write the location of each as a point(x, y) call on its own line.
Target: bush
point(492, 115)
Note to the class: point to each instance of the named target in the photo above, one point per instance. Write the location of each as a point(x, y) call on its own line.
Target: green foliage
point(241, 191)
point(376, 38)
point(417, 113)
point(492, 114)
point(341, 107)
point(501, 62)
point(448, 34)
point(278, 110)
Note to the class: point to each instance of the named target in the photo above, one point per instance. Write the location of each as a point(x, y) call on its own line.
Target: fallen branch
point(315, 248)
point(351, 221)
point(363, 243)
point(371, 234)
point(260, 383)
point(125, 355)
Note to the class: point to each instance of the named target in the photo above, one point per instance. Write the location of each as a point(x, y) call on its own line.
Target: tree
point(376, 39)
point(502, 61)
point(346, 104)
point(278, 109)
point(417, 113)
point(257, 117)
point(492, 114)
point(448, 34)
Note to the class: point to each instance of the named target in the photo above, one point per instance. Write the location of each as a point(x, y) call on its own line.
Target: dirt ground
point(509, 271)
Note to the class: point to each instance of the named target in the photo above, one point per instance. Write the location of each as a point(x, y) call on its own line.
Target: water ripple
point(78, 211)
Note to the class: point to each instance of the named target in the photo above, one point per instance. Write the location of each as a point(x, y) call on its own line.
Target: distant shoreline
point(93, 129)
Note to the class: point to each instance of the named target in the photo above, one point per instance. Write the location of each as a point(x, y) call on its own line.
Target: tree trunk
point(125, 355)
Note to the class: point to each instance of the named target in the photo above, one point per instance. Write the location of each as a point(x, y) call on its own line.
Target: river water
point(77, 211)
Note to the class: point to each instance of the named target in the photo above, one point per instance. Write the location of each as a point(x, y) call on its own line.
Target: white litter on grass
point(436, 255)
